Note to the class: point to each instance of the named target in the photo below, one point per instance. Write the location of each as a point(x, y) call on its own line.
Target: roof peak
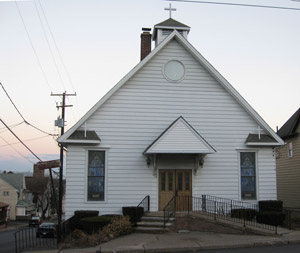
point(171, 22)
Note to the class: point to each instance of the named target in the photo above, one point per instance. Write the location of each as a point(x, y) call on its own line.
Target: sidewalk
point(175, 242)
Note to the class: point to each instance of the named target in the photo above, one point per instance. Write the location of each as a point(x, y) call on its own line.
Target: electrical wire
point(33, 48)
point(56, 46)
point(16, 150)
point(236, 4)
point(50, 49)
point(37, 138)
point(22, 115)
point(20, 140)
point(59, 54)
point(11, 126)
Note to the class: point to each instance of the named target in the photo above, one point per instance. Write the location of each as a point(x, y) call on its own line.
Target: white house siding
point(141, 110)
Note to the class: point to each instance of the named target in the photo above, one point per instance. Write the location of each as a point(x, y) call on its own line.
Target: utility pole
point(62, 106)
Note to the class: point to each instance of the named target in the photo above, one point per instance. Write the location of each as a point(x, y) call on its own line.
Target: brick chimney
point(37, 172)
point(145, 42)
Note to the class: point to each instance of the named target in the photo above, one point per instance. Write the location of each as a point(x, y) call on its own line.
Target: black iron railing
point(292, 218)
point(67, 227)
point(218, 208)
point(169, 210)
point(27, 239)
point(145, 203)
point(231, 210)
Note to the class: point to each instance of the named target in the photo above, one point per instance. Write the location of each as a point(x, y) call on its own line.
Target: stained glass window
point(248, 175)
point(96, 175)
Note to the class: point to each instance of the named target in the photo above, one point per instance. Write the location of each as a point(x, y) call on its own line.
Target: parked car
point(34, 221)
point(46, 230)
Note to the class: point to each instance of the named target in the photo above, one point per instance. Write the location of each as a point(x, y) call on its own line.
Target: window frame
point(256, 175)
point(105, 150)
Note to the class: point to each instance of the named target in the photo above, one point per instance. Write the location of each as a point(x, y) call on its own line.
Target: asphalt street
point(7, 241)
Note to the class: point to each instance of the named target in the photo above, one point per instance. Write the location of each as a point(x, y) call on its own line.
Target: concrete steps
point(153, 223)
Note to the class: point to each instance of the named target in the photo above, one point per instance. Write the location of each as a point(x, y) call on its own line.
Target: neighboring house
point(288, 163)
point(39, 189)
point(172, 125)
point(12, 190)
point(3, 214)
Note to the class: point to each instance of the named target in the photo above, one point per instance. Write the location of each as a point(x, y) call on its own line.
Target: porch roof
point(179, 138)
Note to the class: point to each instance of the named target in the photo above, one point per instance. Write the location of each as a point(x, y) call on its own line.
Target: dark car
point(46, 230)
point(34, 221)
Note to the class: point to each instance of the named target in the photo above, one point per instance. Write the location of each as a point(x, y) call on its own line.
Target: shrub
point(270, 217)
point(79, 239)
point(119, 226)
point(243, 213)
point(270, 205)
point(91, 225)
point(135, 213)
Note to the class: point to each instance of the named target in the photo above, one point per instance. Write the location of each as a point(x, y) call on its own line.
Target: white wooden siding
point(140, 111)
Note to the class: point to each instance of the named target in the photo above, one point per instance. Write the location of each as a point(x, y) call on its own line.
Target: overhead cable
point(20, 140)
point(22, 115)
point(16, 150)
point(236, 4)
point(33, 48)
point(50, 49)
point(33, 139)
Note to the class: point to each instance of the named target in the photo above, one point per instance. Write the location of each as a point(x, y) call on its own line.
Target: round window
point(174, 70)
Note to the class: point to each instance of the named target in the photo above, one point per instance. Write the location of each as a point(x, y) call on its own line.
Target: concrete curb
point(255, 243)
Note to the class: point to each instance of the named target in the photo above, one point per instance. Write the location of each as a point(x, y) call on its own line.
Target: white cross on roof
point(170, 9)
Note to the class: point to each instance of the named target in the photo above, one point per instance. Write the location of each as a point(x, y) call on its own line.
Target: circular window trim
point(166, 75)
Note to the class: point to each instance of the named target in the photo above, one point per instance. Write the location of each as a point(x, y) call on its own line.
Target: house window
point(248, 175)
point(96, 175)
point(5, 193)
point(290, 149)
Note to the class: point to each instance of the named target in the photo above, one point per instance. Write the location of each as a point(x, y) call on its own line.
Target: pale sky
point(256, 50)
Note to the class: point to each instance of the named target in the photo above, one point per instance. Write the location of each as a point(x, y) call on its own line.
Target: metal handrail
point(169, 210)
point(226, 209)
point(145, 202)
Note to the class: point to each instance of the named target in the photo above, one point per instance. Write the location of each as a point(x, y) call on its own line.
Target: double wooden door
point(175, 183)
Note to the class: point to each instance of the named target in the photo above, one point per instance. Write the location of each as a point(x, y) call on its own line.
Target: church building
point(173, 126)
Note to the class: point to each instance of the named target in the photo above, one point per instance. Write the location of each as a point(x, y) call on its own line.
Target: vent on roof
point(166, 32)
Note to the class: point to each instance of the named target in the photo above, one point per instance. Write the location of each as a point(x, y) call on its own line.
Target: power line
point(236, 4)
point(16, 150)
point(50, 49)
point(55, 44)
point(20, 140)
point(32, 46)
point(22, 115)
point(11, 126)
point(37, 138)
point(12, 102)
point(59, 54)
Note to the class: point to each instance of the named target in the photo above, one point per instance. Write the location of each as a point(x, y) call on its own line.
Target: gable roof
point(260, 140)
point(180, 138)
point(289, 127)
point(85, 137)
point(15, 180)
point(24, 203)
point(188, 46)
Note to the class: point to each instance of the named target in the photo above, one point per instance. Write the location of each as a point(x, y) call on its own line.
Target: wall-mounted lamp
point(201, 162)
point(148, 161)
